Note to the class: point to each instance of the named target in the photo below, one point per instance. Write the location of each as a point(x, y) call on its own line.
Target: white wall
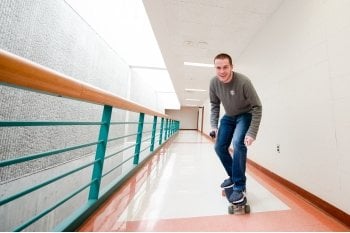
point(299, 66)
point(186, 115)
point(200, 118)
point(142, 92)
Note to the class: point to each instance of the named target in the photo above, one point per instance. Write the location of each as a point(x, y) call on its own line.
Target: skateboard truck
point(239, 208)
point(236, 208)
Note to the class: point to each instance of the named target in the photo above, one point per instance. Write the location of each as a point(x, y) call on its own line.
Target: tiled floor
point(178, 190)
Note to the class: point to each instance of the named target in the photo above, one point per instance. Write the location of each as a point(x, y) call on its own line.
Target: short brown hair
point(224, 56)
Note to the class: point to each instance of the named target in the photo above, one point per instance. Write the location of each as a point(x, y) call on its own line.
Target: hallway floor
point(178, 190)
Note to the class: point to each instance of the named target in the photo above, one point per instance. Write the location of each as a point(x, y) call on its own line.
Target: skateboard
point(237, 208)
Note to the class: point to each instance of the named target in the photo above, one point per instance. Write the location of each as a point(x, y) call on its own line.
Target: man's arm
point(215, 107)
point(256, 112)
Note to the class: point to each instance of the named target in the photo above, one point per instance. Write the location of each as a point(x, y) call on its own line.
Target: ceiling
point(197, 30)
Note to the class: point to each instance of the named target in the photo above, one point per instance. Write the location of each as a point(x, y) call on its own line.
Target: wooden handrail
point(19, 72)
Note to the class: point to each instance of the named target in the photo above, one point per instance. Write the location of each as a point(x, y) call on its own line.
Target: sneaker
point(227, 183)
point(237, 197)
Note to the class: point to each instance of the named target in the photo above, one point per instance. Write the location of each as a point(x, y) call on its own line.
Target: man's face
point(223, 70)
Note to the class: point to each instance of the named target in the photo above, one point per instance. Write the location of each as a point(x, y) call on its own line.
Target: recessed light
point(198, 64)
point(188, 43)
point(202, 44)
point(193, 99)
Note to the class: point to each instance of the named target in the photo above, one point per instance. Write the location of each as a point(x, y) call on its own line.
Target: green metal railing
point(153, 130)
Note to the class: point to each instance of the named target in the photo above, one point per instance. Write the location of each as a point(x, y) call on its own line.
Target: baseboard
point(318, 202)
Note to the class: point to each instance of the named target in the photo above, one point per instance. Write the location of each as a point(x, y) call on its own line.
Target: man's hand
point(248, 140)
point(213, 133)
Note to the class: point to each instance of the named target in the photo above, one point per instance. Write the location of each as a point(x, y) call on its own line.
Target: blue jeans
point(233, 128)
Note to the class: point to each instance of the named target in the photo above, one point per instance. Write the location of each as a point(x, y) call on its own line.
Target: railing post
point(171, 127)
point(138, 138)
point(166, 129)
point(100, 153)
point(153, 133)
point(161, 131)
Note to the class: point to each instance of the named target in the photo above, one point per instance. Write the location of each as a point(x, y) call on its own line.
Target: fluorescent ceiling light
point(195, 90)
point(147, 67)
point(197, 64)
point(193, 99)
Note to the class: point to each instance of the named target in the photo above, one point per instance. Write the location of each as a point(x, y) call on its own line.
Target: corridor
point(178, 190)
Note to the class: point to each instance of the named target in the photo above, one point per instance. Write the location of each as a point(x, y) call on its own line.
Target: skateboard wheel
point(247, 209)
point(231, 210)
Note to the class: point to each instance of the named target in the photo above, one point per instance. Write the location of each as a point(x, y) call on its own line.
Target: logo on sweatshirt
point(232, 92)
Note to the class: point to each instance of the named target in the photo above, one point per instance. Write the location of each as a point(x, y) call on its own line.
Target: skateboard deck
point(239, 208)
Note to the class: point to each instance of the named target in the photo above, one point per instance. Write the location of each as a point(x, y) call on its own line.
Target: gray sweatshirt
point(238, 96)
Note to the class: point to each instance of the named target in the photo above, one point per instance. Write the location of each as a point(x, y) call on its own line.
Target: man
point(240, 124)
